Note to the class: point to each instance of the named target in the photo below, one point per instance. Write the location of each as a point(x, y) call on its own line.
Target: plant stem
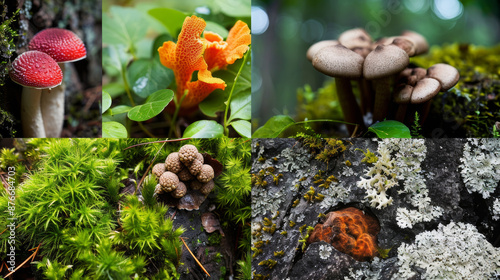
point(177, 108)
point(228, 102)
point(129, 94)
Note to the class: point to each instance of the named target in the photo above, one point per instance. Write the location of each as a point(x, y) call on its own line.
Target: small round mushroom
point(421, 45)
point(206, 173)
point(34, 71)
point(354, 38)
point(380, 65)
point(188, 153)
point(207, 187)
point(173, 163)
point(311, 52)
point(184, 175)
point(194, 167)
point(169, 181)
point(200, 158)
point(402, 97)
point(196, 185)
point(158, 169)
point(180, 191)
point(343, 64)
point(446, 74)
point(64, 47)
point(422, 94)
point(159, 189)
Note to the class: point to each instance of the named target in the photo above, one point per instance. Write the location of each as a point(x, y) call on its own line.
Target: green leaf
point(154, 105)
point(114, 89)
point(214, 102)
point(244, 128)
point(106, 101)
point(148, 75)
point(113, 130)
point(241, 8)
point(390, 129)
point(204, 129)
point(170, 18)
point(241, 106)
point(216, 28)
point(120, 109)
point(123, 26)
point(273, 127)
point(115, 58)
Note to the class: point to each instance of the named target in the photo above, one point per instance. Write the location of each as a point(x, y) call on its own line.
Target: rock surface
point(281, 212)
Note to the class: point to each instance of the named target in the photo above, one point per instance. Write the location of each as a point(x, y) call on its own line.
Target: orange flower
point(186, 57)
point(219, 53)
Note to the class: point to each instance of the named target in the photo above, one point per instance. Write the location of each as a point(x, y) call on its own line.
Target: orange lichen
point(186, 57)
point(219, 53)
point(192, 53)
point(350, 231)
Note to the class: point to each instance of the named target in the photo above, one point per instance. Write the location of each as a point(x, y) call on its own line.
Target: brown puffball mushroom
point(169, 181)
point(380, 66)
point(200, 158)
point(172, 163)
point(206, 173)
point(196, 185)
point(184, 175)
point(188, 153)
point(159, 189)
point(207, 187)
point(311, 52)
point(343, 64)
point(159, 169)
point(180, 191)
point(194, 167)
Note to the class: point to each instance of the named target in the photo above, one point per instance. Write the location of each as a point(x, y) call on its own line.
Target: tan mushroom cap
point(356, 37)
point(446, 74)
point(421, 43)
point(311, 52)
point(425, 89)
point(402, 94)
point(406, 44)
point(385, 61)
point(338, 61)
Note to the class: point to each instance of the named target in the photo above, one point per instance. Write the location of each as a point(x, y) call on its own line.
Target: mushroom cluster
point(42, 101)
point(184, 169)
point(376, 66)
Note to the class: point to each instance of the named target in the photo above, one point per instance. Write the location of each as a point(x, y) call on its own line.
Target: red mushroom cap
point(37, 70)
point(61, 44)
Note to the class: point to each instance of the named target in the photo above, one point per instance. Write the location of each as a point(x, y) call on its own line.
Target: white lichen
point(495, 209)
point(480, 166)
point(379, 178)
point(454, 251)
point(325, 251)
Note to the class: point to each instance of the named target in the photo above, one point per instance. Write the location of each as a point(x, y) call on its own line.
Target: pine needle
point(197, 261)
point(32, 257)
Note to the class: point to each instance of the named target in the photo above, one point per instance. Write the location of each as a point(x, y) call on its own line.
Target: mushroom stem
point(31, 115)
point(401, 112)
point(350, 108)
point(382, 98)
point(366, 97)
point(52, 108)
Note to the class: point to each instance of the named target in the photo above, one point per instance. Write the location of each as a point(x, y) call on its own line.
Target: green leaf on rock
point(244, 128)
point(390, 129)
point(106, 101)
point(148, 75)
point(113, 130)
point(273, 127)
point(154, 105)
point(204, 129)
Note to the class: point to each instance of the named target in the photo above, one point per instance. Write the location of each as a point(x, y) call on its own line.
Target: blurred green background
point(282, 31)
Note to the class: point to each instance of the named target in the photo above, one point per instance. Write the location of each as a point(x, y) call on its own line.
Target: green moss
point(214, 238)
point(320, 104)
